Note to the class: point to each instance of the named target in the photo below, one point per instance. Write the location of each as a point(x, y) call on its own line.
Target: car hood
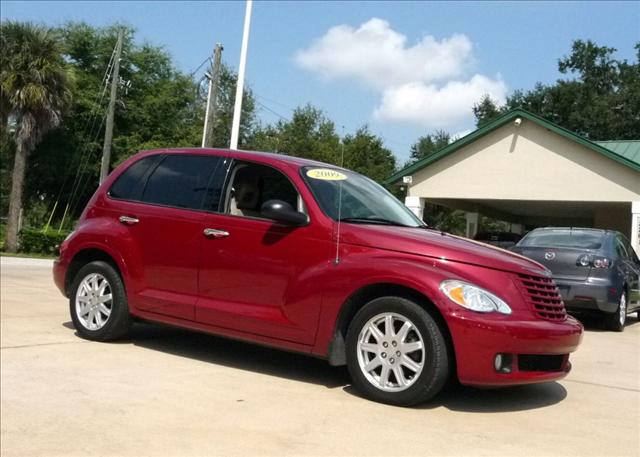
point(440, 245)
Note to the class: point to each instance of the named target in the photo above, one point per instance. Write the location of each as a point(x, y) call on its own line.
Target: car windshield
point(579, 239)
point(362, 200)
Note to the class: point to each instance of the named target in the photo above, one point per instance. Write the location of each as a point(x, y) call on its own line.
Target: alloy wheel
point(391, 352)
point(94, 301)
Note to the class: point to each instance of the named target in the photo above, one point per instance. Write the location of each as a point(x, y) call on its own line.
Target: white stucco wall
point(527, 162)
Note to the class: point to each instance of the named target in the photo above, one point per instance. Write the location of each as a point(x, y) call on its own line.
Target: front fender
point(361, 267)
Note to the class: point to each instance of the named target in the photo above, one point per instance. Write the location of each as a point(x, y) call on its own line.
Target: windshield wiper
point(376, 220)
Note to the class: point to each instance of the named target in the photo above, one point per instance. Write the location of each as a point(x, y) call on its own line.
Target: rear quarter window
point(130, 184)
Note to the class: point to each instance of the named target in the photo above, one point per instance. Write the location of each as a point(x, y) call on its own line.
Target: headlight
point(473, 297)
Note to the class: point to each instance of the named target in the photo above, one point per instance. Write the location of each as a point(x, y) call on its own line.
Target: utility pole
point(108, 132)
point(210, 115)
point(237, 109)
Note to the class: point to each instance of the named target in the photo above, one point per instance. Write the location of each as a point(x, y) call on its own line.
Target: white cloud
point(425, 84)
point(437, 107)
point(378, 55)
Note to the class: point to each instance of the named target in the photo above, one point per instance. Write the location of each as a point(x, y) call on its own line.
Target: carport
point(523, 169)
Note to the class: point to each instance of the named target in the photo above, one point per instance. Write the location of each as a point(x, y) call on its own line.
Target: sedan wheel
point(622, 309)
point(616, 321)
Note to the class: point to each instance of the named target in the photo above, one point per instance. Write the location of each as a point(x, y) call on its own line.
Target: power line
point(87, 177)
point(275, 102)
point(284, 118)
point(199, 67)
point(91, 119)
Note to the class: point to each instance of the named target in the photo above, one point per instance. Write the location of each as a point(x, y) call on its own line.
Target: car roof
point(241, 154)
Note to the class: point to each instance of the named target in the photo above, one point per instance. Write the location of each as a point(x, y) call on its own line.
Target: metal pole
point(210, 115)
point(237, 109)
point(206, 115)
point(108, 132)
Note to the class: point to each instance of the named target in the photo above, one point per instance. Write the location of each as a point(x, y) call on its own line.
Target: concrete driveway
point(169, 392)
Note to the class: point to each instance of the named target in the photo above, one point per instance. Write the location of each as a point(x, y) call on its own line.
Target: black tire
point(613, 321)
point(435, 369)
point(118, 323)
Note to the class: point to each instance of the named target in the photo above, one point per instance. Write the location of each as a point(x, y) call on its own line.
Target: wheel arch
point(357, 300)
point(85, 256)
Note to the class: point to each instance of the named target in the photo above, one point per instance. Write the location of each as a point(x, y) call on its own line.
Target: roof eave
point(499, 122)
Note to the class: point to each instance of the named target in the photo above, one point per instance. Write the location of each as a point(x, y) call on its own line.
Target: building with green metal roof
point(526, 170)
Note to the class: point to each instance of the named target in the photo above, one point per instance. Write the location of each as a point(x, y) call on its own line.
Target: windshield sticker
point(326, 174)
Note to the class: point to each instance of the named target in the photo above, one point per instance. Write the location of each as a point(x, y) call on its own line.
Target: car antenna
point(337, 259)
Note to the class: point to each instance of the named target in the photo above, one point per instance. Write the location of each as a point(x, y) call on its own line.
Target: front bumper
point(594, 294)
point(479, 338)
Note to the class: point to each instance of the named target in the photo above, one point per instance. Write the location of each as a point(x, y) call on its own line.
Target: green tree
point(309, 134)
point(445, 219)
point(158, 106)
point(365, 153)
point(428, 144)
point(600, 100)
point(35, 85)
point(485, 111)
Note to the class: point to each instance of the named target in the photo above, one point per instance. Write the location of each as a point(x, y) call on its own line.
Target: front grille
point(531, 362)
point(543, 296)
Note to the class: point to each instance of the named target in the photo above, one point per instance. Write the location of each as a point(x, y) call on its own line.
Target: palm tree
point(35, 90)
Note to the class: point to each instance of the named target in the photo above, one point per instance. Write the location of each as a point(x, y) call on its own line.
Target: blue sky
point(403, 68)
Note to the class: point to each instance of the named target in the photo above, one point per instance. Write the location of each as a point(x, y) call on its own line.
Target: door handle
point(213, 233)
point(127, 220)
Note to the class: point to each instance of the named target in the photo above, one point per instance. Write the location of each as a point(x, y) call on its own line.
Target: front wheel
point(616, 320)
point(98, 303)
point(396, 353)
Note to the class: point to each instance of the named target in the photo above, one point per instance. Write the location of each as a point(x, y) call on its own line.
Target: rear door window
point(184, 181)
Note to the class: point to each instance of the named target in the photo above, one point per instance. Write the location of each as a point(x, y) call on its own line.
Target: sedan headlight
point(473, 297)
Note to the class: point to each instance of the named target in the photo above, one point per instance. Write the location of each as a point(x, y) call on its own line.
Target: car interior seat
point(245, 194)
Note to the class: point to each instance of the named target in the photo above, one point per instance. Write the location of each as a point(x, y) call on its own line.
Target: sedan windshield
point(563, 238)
point(353, 198)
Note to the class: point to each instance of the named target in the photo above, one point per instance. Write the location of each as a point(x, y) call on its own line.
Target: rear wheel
point(98, 303)
point(616, 320)
point(396, 352)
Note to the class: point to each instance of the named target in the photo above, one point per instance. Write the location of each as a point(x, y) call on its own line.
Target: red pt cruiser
point(312, 258)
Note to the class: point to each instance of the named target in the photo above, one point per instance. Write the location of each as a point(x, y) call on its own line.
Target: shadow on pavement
point(240, 355)
point(274, 362)
point(595, 322)
point(499, 400)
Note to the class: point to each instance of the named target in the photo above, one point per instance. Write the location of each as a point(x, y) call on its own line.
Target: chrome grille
point(543, 296)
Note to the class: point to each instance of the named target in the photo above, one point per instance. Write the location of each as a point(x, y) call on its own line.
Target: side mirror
point(282, 212)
